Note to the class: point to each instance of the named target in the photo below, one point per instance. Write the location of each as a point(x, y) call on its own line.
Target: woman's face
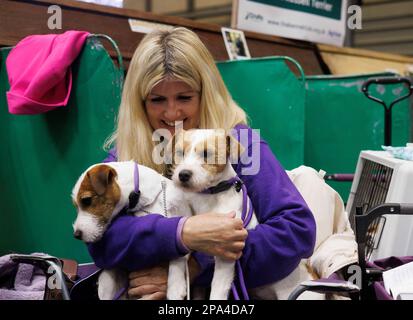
point(173, 100)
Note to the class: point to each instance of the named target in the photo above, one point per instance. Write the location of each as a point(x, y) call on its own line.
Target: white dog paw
point(176, 292)
point(218, 296)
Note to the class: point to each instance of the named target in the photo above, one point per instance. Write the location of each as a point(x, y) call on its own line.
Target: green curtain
point(43, 155)
point(274, 99)
point(341, 121)
point(324, 124)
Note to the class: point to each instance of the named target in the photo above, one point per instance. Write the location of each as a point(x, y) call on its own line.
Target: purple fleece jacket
point(285, 234)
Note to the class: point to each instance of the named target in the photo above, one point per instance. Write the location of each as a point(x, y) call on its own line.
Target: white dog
point(103, 190)
point(201, 162)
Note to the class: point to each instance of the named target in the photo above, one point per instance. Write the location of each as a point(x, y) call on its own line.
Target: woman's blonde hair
point(176, 53)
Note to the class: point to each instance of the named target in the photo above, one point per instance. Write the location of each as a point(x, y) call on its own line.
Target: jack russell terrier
point(100, 194)
point(201, 166)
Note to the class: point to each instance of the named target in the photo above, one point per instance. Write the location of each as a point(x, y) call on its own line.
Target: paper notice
point(399, 281)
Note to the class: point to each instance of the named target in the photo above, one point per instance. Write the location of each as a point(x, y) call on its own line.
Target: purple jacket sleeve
point(135, 243)
point(286, 230)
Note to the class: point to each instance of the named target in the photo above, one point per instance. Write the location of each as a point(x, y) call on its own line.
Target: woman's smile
point(173, 123)
point(173, 103)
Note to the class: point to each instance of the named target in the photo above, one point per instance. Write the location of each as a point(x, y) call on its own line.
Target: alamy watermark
point(355, 275)
point(217, 150)
point(53, 281)
point(55, 20)
point(354, 20)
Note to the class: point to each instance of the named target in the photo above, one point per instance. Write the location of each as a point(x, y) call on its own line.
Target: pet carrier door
point(379, 179)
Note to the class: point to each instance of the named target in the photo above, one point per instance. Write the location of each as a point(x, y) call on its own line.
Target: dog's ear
point(101, 177)
point(233, 147)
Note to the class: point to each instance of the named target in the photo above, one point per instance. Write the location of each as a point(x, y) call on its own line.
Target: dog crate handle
point(387, 109)
point(387, 80)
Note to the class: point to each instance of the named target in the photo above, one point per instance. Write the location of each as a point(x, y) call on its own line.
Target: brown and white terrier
point(201, 164)
point(100, 194)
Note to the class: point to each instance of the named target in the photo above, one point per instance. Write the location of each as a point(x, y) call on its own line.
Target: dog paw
point(218, 296)
point(176, 292)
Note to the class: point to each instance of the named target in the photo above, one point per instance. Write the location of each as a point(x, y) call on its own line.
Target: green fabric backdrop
point(341, 121)
point(274, 100)
point(43, 155)
point(325, 124)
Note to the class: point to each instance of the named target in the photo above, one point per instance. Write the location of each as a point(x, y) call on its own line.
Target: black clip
point(238, 185)
point(134, 198)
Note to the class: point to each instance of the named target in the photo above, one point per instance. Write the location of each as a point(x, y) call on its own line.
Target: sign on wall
point(321, 21)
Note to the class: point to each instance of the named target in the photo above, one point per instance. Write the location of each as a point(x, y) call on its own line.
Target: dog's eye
point(86, 201)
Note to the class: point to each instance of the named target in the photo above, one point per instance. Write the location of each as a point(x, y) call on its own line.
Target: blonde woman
point(173, 78)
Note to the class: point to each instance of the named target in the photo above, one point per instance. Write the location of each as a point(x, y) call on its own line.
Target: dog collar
point(224, 186)
point(135, 194)
point(246, 214)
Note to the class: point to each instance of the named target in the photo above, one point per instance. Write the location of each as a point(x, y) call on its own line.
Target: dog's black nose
point(185, 175)
point(78, 234)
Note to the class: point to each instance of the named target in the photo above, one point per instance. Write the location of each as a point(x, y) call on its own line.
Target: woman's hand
point(215, 234)
point(152, 283)
point(149, 284)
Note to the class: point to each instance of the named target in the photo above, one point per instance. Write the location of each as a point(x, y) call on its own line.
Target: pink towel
point(39, 71)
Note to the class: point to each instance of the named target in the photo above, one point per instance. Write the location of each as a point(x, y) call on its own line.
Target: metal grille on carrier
point(372, 191)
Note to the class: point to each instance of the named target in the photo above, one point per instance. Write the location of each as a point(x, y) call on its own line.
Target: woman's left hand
point(149, 284)
point(152, 283)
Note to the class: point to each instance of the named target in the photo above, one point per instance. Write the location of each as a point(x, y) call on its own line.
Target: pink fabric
point(39, 71)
